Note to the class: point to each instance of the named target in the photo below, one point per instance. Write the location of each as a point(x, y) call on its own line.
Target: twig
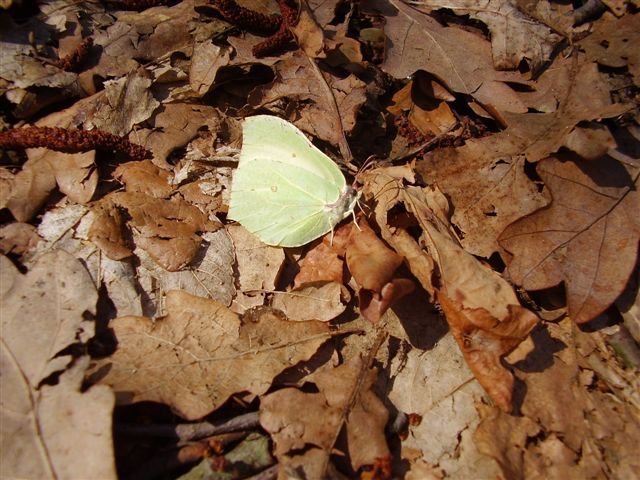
point(191, 431)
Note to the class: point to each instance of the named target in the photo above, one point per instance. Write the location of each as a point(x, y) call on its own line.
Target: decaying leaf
point(581, 429)
point(437, 386)
point(165, 229)
point(514, 35)
point(587, 237)
point(335, 100)
point(50, 430)
point(480, 306)
point(373, 266)
point(343, 399)
point(200, 354)
point(258, 267)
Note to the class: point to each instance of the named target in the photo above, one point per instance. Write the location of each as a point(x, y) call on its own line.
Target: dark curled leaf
point(248, 19)
point(74, 60)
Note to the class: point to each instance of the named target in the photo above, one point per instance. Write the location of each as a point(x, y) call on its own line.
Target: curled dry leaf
point(344, 398)
point(480, 306)
point(321, 263)
point(587, 237)
point(18, 238)
point(373, 265)
point(144, 177)
point(166, 229)
point(201, 353)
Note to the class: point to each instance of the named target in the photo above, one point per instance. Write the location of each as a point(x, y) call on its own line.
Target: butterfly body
point(285, 190)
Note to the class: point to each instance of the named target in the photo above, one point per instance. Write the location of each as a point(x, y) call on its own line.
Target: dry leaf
point(258, 266)
point(437, 385)
point(587, 98)
point(30, 188)
point(209, 275)
point(323, 301)
point(50, 431)
point(174, 127)
point(373, 265)
point(514, 35)
point(108, 231)
point(200, 354)
point(370, 261)
point(206, 60)
point(322, 263)
point(127, 102)
point(611, 43)
point(590, 141)
point(587, 237)
point(18, 238)
point(481, 307)
point(481, 179)
point(336, 100)
point(458, 58)
point(581, 428)
point(166, 229)
point(144, 177)
point(342, 399)
point(308, 33)
point(76, 174)
point(56, 293)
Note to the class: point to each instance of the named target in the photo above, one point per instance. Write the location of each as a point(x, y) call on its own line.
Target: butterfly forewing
point(285, 190)
point(268, 137)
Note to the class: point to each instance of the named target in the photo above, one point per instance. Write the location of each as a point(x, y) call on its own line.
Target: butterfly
point(285, 190)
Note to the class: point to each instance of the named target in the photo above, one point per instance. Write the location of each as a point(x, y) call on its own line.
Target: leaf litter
point(480, 320)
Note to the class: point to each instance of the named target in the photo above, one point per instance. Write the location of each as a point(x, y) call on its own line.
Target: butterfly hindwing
point(267, 203)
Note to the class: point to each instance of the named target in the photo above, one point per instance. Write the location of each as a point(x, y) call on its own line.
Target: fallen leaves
point(200, 354)
point(514, 35)
point(344, 398)
point(48, 426)
point(587, 236)
point(520, 185)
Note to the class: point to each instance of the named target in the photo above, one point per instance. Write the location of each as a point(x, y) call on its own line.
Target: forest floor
point(477, 318)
